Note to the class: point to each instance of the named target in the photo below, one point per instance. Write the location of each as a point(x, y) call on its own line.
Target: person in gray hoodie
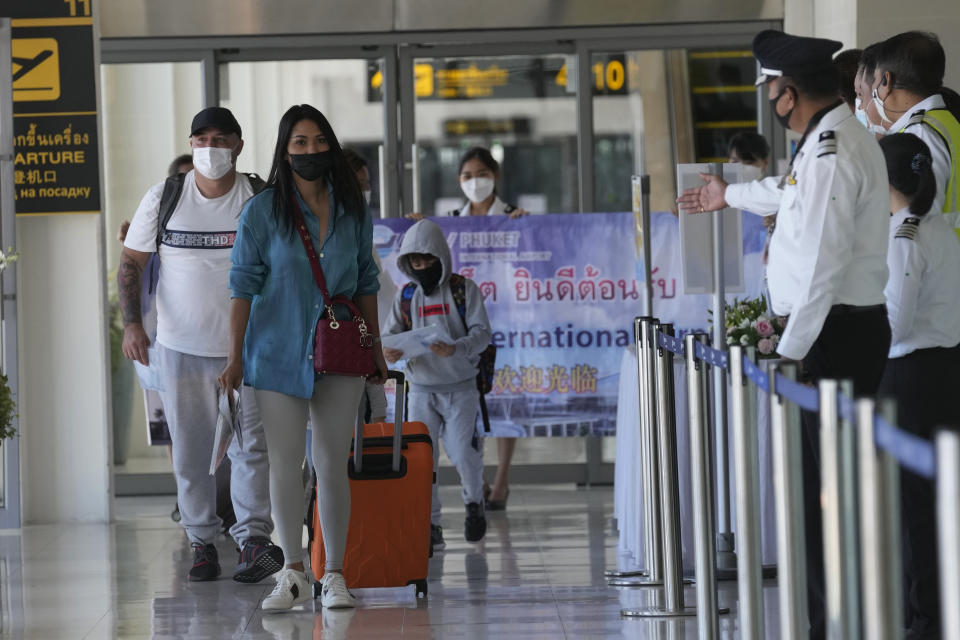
point(443, 383)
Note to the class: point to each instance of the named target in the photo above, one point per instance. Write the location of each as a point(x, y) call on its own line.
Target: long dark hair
point(910, 170)
point(346, 189)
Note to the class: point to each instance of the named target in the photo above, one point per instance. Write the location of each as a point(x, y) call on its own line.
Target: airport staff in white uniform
point(905, 96)
point(827, 266)
point(924, 306)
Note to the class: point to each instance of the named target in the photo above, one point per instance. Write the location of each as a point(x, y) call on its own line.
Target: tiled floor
point(539, 574)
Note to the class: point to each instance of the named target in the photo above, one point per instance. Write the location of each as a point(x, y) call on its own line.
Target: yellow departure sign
point(36, 69)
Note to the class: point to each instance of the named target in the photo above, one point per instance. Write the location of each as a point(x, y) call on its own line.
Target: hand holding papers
point(416, 342)
point(228, 424)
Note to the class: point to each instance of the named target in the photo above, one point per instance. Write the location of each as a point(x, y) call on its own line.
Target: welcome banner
point(561, 292)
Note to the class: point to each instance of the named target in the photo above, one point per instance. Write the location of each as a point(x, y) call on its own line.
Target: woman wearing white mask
point(478, 175)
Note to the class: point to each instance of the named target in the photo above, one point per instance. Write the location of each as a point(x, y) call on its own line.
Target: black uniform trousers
point(852, 345)
point(924, 385)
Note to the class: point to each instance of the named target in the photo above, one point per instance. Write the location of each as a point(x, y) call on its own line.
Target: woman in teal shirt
point(273, 315)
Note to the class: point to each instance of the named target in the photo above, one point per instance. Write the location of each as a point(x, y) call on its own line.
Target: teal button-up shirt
point(271, 268)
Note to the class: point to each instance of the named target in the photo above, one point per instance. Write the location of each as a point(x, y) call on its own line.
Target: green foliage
point(8, 410)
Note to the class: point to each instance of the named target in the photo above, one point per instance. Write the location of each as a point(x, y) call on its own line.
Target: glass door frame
point(398, 51)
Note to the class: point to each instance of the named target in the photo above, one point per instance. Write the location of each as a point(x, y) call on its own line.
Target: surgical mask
point(783, 119)
point(477, 189)
point(860, 114)
point(429, 277)
point(878, 103)
point(311, 166)
point(212, 162)
point(367, 195)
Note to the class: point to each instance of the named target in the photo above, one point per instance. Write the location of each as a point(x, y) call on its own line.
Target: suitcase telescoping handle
point(397, 427)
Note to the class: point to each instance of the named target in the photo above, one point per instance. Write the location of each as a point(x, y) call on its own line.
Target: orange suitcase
point(391, 485)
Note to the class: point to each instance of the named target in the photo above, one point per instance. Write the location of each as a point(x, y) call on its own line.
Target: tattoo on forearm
point(129, 275)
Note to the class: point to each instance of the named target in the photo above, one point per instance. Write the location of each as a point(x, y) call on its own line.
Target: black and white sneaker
point(258, 559)
point(437, 543)
point(292, 588)
point(475, 526)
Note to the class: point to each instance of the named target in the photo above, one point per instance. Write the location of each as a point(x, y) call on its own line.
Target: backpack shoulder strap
point(172, 189)
point(458, 287)
point(256, 182)
point(406, 296)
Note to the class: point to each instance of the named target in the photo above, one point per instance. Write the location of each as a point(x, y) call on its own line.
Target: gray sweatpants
point(452, 417)
point(333, 416)
point(190, 401)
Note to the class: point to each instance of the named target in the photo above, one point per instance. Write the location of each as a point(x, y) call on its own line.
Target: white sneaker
point(334, 593)
point(292, 588)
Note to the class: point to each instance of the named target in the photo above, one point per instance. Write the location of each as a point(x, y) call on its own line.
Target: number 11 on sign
point(83, 5)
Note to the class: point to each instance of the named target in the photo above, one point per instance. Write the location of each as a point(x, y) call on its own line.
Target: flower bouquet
point(749, 324)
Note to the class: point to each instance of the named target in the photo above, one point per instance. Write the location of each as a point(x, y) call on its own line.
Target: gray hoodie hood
point(425, 237)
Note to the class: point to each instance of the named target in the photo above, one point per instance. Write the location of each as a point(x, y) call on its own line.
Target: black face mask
point(429, 278)
point(311, 166)
point(783, 119)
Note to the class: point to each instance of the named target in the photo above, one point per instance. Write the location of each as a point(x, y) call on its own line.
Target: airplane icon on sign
point(29, 64)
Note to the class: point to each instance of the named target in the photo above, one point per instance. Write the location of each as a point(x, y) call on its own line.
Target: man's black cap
point(781, 54)
point(217, 118)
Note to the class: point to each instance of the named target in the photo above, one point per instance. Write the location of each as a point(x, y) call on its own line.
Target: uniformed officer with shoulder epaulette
point(827, 266)
point(906, 98)
point(923, 302)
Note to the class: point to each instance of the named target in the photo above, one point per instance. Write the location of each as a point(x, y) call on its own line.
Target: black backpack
point(172, 189)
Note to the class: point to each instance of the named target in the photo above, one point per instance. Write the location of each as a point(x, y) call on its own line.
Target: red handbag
point(340, 347)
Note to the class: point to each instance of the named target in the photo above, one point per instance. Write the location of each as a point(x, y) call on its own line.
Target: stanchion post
point(652, 493)
point(651, 509)
point(746, 468)
point(833, 502)
point(850, 517)
point(701, 475)
point(788, 488)
point(948, 530)
point(669, 489)
point(880, 542)
point(890, 486)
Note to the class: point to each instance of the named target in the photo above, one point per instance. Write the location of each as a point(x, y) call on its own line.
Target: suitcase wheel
point(421, 586)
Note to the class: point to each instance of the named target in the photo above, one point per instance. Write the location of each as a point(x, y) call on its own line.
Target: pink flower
point(764, 328)
point(765, 346)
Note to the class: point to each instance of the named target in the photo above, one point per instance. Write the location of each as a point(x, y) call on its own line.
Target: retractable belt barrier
point(862, 452)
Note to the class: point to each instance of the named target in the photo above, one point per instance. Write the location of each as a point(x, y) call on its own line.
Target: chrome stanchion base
point(642, 582)
point(616, 573)
point(658, 612)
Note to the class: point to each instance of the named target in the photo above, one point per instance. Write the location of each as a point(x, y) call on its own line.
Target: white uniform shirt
point(939, 151)
point(193, 296)
point(830, 244)
point(498, 208)
point(923, 301)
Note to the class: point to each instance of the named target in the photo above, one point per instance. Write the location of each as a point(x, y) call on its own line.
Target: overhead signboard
point(56, 152)
point(503, 77)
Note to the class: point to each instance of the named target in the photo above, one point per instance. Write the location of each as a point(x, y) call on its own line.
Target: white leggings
point(333, 415)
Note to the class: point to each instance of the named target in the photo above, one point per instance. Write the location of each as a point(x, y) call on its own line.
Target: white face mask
point(367, 195)
point(860, 114)
point(477, 189)
point(878, 103)
point(212, 162)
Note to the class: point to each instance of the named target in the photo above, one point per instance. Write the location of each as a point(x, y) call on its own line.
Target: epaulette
point(908, 229)
point(827, 144)
point(916, 117)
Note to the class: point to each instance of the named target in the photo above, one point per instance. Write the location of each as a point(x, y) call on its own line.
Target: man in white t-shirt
point(193, 302)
